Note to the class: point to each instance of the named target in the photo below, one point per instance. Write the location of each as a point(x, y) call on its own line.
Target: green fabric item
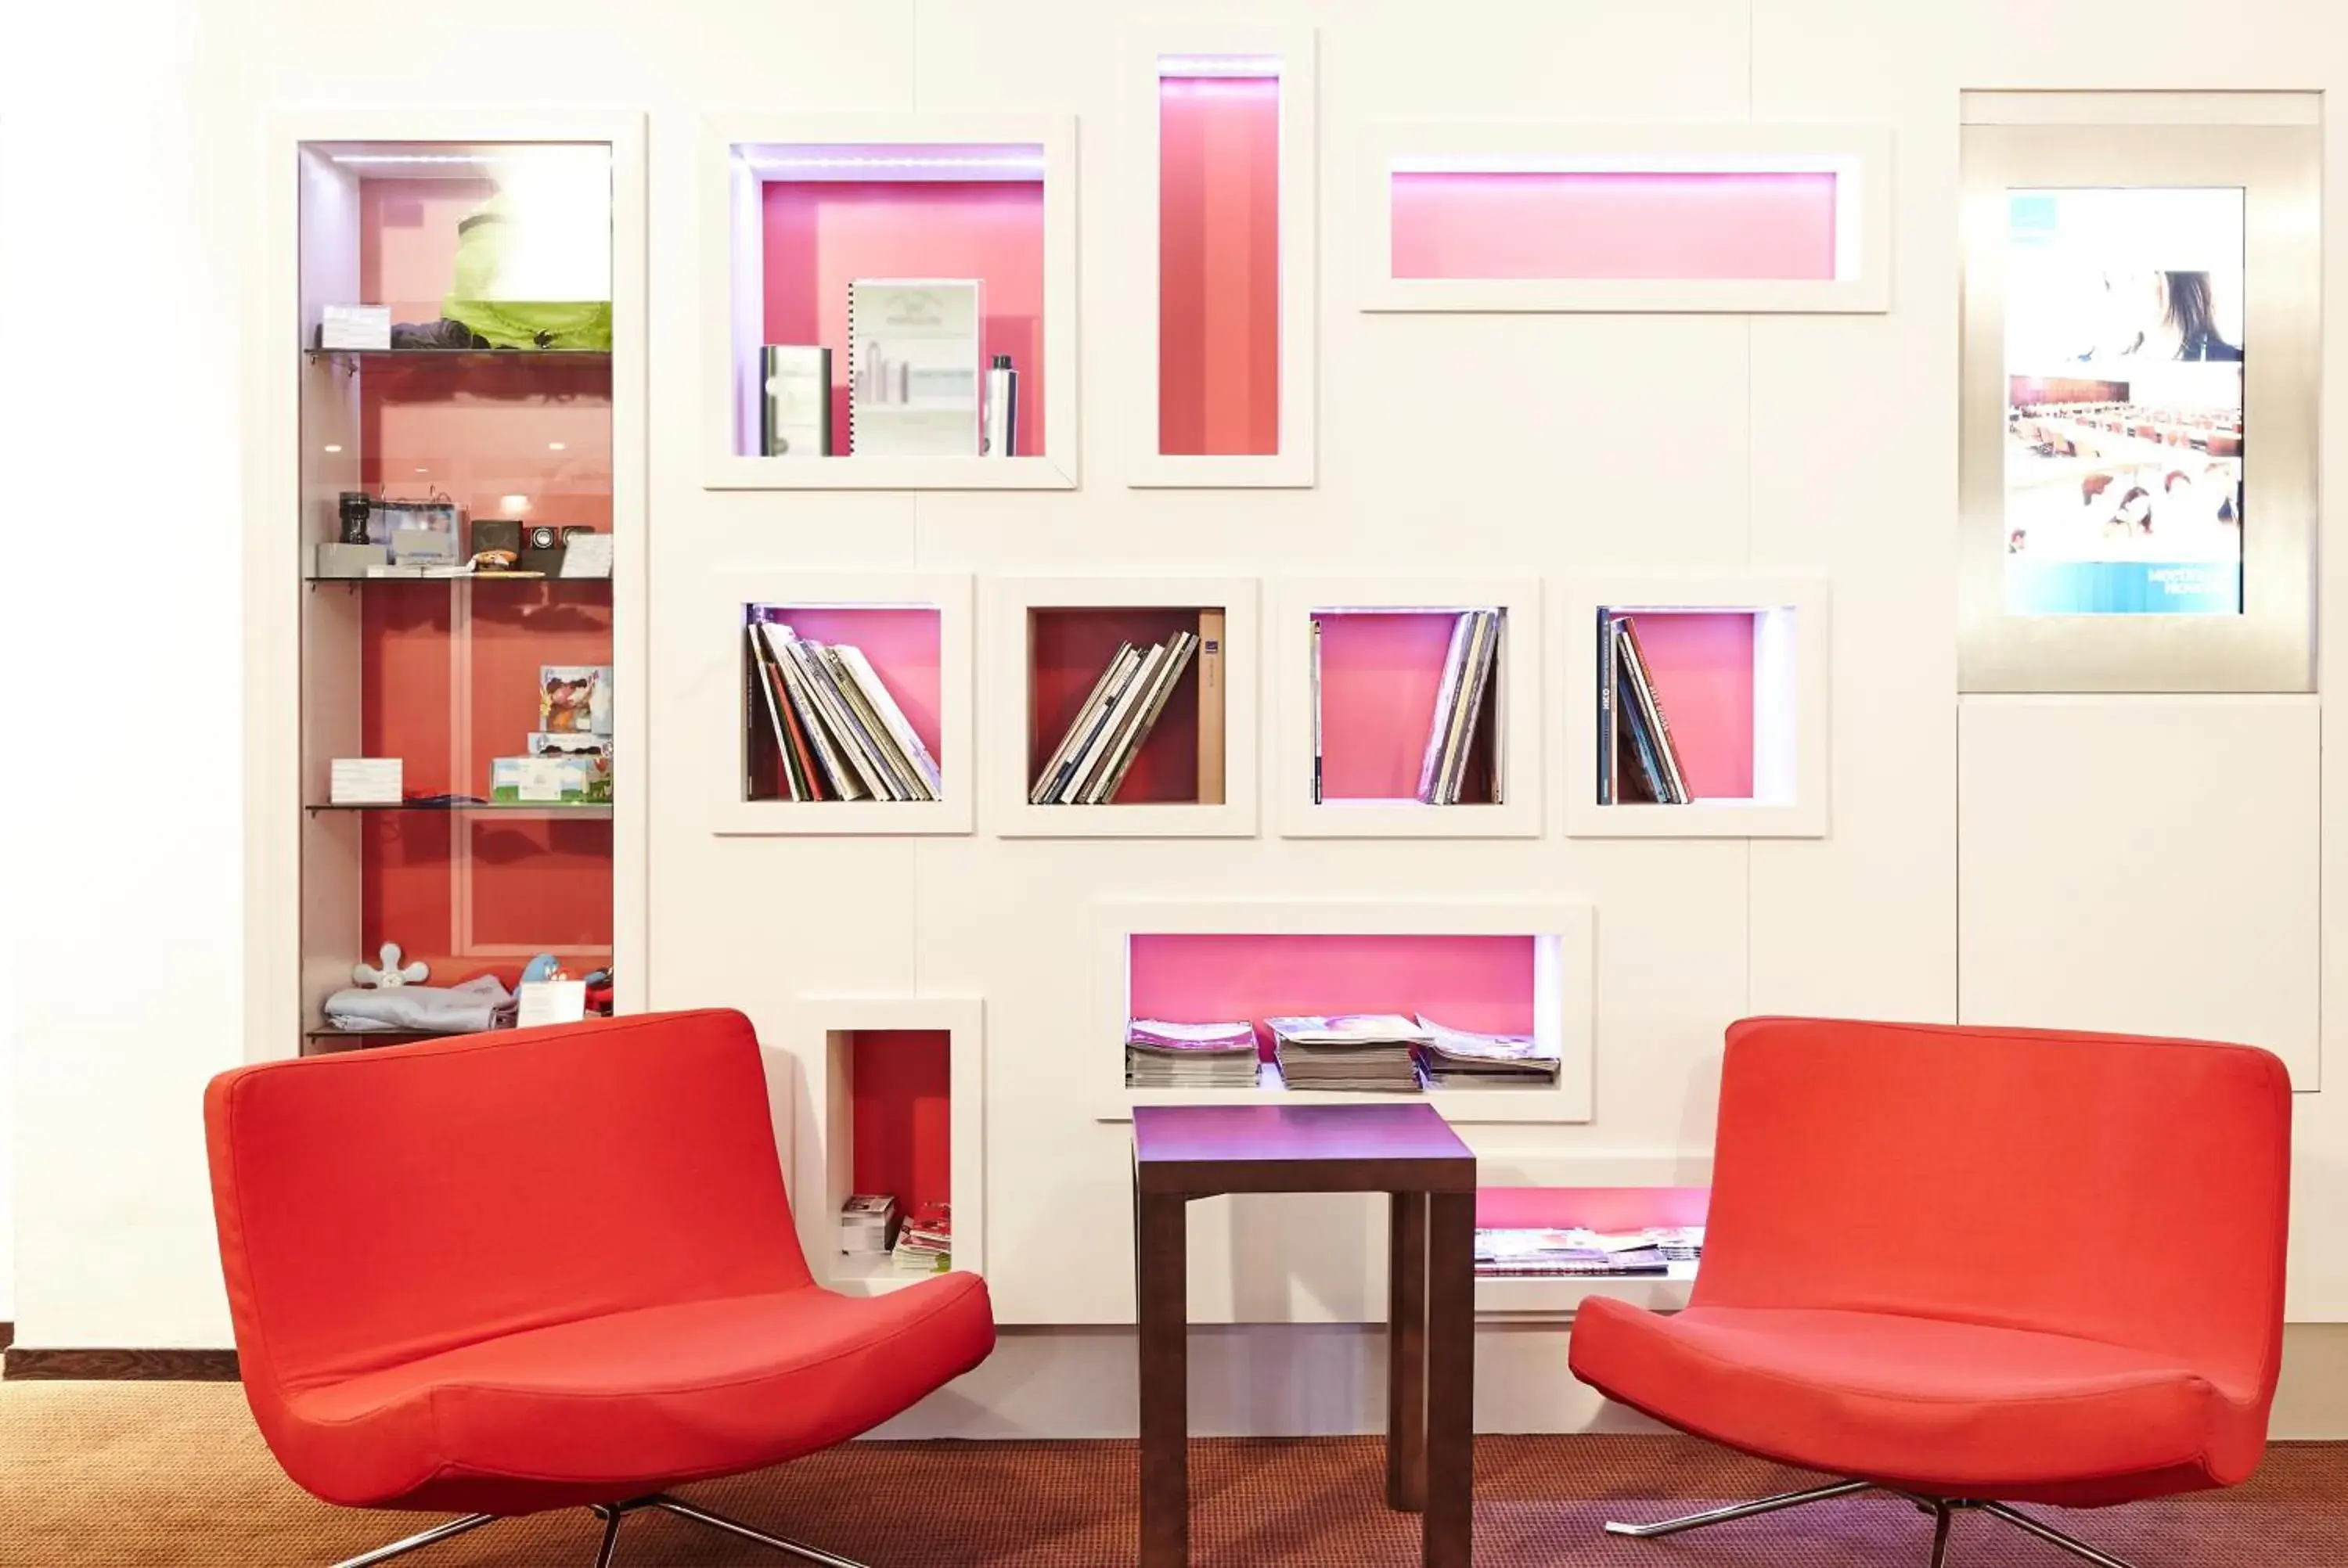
point(482, 238)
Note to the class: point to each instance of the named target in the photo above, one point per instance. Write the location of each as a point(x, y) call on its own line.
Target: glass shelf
point(599, 811)
point(316, 580)
point(457, 355)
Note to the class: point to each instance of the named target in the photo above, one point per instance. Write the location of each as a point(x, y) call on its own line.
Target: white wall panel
point(2141, 866)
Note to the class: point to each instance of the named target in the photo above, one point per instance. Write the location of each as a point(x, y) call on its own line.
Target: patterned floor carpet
point(130, 1474)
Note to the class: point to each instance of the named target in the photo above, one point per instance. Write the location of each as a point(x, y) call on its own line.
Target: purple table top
point(1291, 1133)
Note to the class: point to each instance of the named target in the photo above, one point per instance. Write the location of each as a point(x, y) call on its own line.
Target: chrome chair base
point(1943, 1510)
point(612, 1513)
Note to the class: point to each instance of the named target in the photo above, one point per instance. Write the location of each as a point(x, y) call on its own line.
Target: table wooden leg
point(1449, 1521)
point(1406, 1351)
point(1162, 1253)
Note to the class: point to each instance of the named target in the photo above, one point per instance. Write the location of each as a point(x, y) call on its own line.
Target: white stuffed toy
point(392, 973)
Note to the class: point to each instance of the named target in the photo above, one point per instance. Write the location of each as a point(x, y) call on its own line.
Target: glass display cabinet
point(461, 753)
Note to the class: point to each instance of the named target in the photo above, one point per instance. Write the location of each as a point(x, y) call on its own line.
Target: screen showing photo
point(2124, 402)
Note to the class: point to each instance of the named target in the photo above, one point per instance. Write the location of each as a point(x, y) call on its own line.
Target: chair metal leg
point(1941, 1514)
point(610, 1518)
point(1740, 1511)
point(2049, 1534)
point(684, 1510)
point(421, 1538)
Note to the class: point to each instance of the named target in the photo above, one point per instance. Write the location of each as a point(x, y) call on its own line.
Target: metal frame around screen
point(2268, 647)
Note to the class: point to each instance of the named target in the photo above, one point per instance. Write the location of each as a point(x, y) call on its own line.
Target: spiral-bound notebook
point(915, 369)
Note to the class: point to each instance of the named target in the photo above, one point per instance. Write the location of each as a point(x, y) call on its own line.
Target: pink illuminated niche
point(902, 642)
point(1381, 672)
point(901, 1111)
point(1614, 225)
point(1468, 982)
point(1596, 1208)
point(829, 213)
point(1701, 662)
point(1218, 259)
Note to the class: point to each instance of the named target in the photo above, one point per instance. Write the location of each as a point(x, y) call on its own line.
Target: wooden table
point(1408, 1151)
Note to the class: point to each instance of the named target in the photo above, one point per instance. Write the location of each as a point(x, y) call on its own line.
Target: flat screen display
point(2124, 401)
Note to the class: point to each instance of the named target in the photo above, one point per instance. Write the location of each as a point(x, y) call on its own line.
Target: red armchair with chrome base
point(549, 1268)
point(1975, 1267)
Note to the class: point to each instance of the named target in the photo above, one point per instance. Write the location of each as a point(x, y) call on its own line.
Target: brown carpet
point(130, 1474)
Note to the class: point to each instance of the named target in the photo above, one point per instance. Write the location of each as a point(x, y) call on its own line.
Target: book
point(1643, 781)
point(1162, 1055)
point(1609, 733)
point(1459, 701)
point(1122, 715)
point(840, 780)
point(1463, 1058)
point(1047, 780)
point(760, 696)
point(915, 370)
point(1316, 710)
point(832, 712)
point(892, 717)
point(1211, 719)
point(1651, 712)
point(925, 1241)
point(1374, 1052)
point(575, 698)
point(1169, 676)
point(905, 781)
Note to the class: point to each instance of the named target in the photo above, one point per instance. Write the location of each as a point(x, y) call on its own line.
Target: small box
point(496, 534)
point(540, 781)
point(364, 781)
point(423, 547)
point(348, 560)
point(866, 1221)
point(356, 327)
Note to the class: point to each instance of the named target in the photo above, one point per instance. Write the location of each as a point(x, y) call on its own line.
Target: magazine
point(1463, 1058)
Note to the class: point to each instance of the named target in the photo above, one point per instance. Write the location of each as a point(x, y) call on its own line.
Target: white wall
point(1542, 445)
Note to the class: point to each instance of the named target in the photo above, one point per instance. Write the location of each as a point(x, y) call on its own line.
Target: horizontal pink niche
point(1613, 225)
point(1701, 662)
point(1468, 982)
point(899, 642)
point(1218, 265)
point(1595, 1208)
point(1380, 675)
point(1066, 651)
point(822, 234)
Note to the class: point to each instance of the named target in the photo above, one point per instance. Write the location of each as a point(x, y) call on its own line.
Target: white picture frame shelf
point(731, 248)
point(722, 716)
point(1564, 994)
point(1287, 51)
point(1516, 700)
point(1791, 696)
point(822, 1036)
point(1858, 156)
point(1017, 601)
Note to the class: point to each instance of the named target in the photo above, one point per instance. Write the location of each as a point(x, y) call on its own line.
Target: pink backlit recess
point(1066, 651)
point(1468, 982)
point(901, 644)
point(1595, 1208)
point(1613, 226)
point(1218, 266)
point(1379, 678)
point(822, 233)
point(1702, 665)
point(901, 1105)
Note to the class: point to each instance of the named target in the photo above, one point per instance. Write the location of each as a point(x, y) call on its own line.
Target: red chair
point(549, 1268)
point(1975, 1267)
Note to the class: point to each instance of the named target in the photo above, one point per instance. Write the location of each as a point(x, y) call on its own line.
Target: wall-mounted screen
point(2139, 390)
point(2124, 351)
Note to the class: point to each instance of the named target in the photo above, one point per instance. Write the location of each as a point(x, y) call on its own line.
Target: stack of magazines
point(1161, 1055)
point(1459, 705)
point(1462, 1058)
point(925, 1241)
point(1637, 761)
point(840, 735)
point(1373, 1052)
point(1585, 1253)
point(1109, 730)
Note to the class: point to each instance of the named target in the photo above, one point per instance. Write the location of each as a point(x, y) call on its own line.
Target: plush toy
point(392, 973)
point(545, 966)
